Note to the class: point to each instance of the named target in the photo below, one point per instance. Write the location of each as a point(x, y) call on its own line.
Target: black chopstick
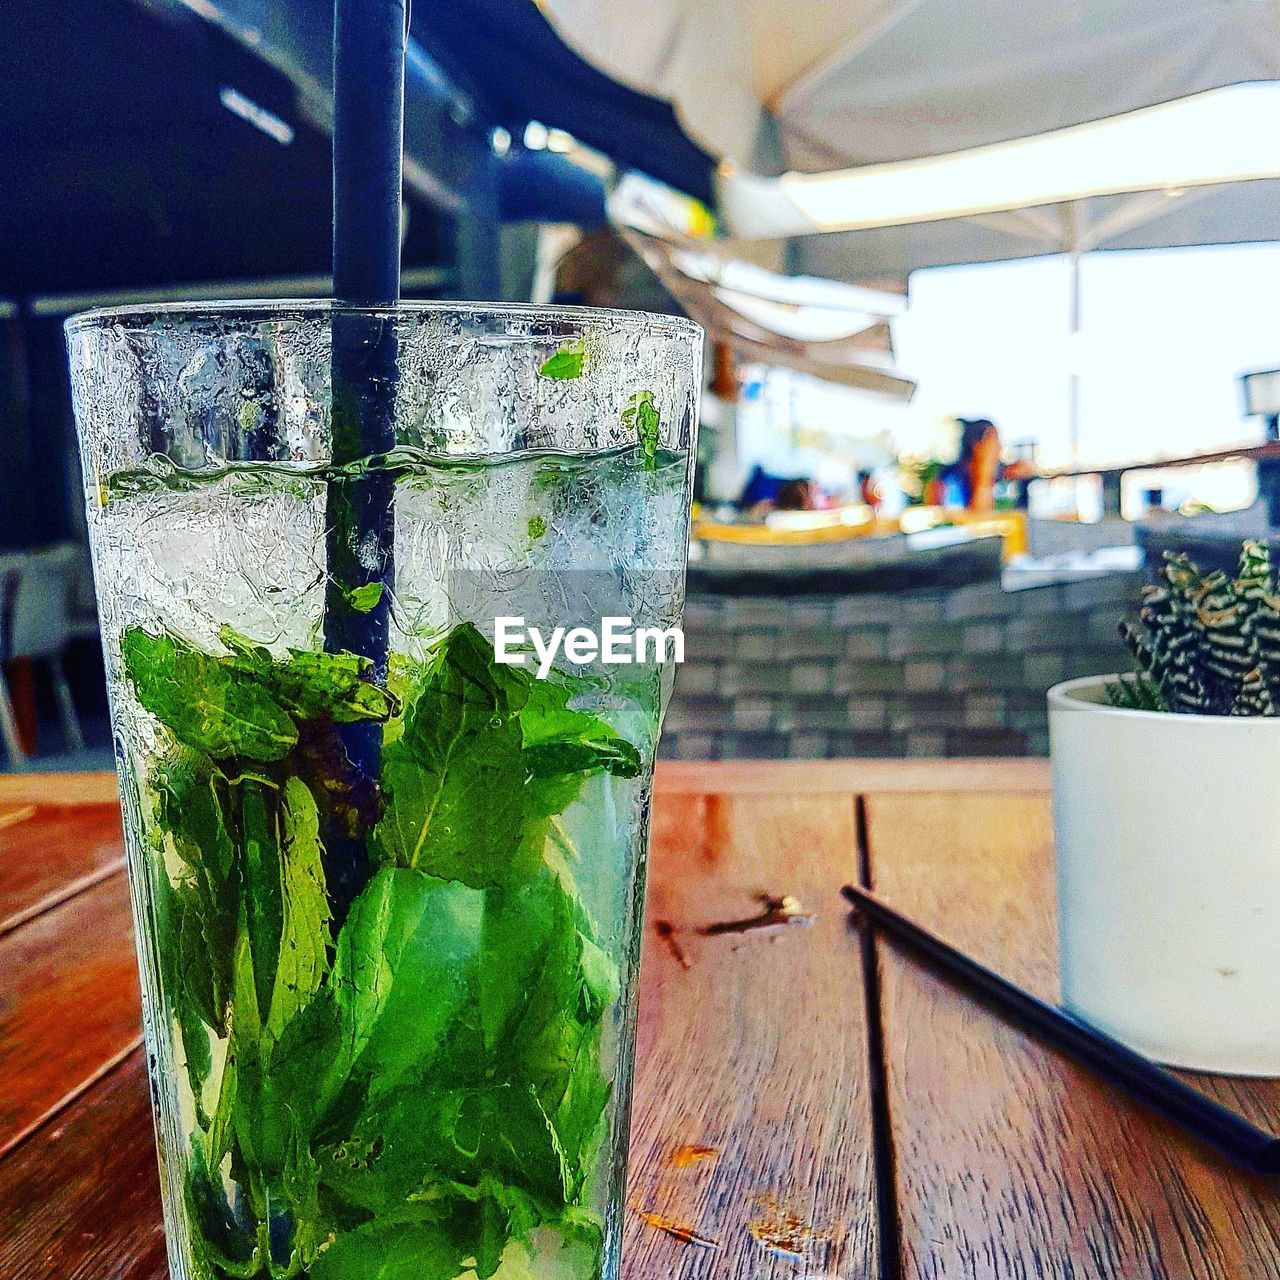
point(1232, 1135)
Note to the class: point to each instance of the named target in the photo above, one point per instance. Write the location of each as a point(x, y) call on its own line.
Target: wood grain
point(848, 777)
point(69, 1004)
point(58, 788)
point(751, 1115)
point(752, 1125)
point(50, 852)
point(80, 1200)
point(1011, 1161)
point(726, 777)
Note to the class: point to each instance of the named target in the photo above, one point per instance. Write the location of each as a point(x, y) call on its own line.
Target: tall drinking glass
point(388, 892)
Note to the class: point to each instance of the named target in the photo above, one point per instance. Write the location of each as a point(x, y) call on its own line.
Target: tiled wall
point(928, 673)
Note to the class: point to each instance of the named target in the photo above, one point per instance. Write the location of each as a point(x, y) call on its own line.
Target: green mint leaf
point(641, 416)
point(433, 1235)
point(362, 971)
point(221, 1126)
point(263, 903)
point(301, 1184)
point(203, 702)
point(245, 1049)
point(392, 1250)
point(578, 1111)
point(554, 759)
point(544, 988)
point(247, 655)
point(567, 363)
point(503, 1213)
point(198, 991)
point(249, 414)
point(400, 976)
point(454, 780)
point(504, 1084)
point(564, 746)
point(410, 1141)
point(404, 971)
point(364, 599)
point(206, 900)
point(547, 717)
point(312, 684)
point(444, 1073)
point(506, 1215)
point(304, 935)
point(193, 804)
point(186, 982)
point(536, 528)
point(335, 686)
point(529, 934)
point(309, 1066)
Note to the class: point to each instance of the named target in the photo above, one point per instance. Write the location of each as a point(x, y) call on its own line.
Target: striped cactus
point(1207, 644)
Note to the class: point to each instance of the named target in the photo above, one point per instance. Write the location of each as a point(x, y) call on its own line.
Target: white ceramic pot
point(1168, 854)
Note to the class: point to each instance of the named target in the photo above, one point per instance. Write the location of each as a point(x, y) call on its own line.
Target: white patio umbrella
point(853, 82)
point(885, 113)
point(1200, 170)
point(837, 332)
point(889, 116)
point(1127, 179)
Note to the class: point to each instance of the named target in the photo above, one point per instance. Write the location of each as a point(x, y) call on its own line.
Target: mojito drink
point(390, 1016)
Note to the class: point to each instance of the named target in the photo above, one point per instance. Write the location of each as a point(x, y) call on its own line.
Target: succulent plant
point(1206, 644)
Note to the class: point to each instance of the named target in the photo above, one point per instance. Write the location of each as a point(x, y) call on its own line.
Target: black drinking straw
point(1114, 1063)
point(368, 140)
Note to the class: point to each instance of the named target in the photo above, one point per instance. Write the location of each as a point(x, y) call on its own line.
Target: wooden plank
point(58, 788)
point(847, 777)
point(1010, 1161)
point(69, 1005)
point(80, 1200)
point(752, 1123)
point(50, 852)
point(675, 777)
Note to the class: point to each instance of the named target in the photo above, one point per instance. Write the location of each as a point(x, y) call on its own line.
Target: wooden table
point(810, 1103)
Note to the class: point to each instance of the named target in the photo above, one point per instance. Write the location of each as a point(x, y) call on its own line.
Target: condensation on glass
point(435, 1075)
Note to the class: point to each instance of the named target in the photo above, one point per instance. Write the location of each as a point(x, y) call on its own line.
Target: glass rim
point(259, 309)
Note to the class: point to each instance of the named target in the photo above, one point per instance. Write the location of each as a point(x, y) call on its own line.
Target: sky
point(1165, 336)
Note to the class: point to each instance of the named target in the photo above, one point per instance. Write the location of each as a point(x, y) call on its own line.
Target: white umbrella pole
point(1073, 375)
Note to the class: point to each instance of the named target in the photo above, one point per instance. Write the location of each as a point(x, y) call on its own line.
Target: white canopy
point(867, 81)
point(849, 84)
point(1223, 135)
point(1233, 214)
point(837, 332)
point(1198, 170)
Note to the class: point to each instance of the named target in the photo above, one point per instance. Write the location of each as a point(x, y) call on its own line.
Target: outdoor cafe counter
point(809, 1100)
